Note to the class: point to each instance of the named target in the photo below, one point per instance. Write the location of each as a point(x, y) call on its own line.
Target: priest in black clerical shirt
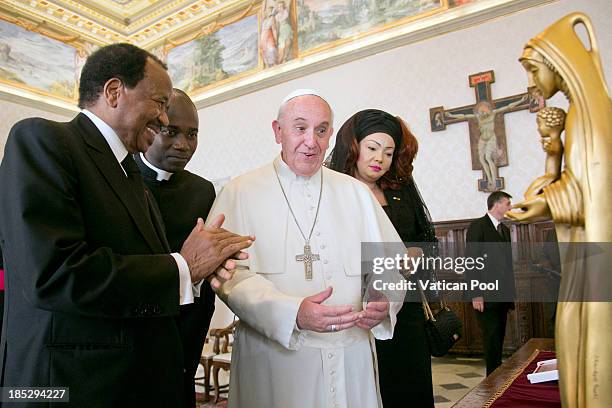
point(182, 197)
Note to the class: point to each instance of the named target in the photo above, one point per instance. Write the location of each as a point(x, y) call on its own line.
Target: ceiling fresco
point(215, 49)
point(142, 22)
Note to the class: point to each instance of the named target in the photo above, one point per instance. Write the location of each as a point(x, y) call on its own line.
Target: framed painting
point(277, 32)
point(36, 63)
point(250, 46)
point(229, 52)
point(324, 23)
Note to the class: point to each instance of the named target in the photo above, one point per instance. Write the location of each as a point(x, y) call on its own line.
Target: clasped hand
point(314, 316)
point(210, 251)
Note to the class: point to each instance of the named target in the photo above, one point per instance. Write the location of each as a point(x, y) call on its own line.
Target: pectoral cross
point(307, 257)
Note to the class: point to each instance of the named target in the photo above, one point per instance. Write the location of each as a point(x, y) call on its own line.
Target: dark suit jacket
point(401, 210)
point(482, 238)
point(182, 199)
point(92, 293)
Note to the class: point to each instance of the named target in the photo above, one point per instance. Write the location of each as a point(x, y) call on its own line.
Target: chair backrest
point(223, 337)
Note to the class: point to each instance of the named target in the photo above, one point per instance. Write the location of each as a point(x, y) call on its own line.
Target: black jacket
point(181, 200)
point(483, 240)
point(92, 292)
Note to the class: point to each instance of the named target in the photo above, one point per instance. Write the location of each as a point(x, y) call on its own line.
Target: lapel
point(491, 233)
point(152, 194)
point(506, 233)
point(157, 220)
point(102, 156)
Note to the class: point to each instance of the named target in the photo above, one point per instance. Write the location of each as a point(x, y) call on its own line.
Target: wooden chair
point(219, 358)
point(206, 362)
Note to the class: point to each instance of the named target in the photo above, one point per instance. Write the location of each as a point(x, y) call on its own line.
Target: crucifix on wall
point(486, 126)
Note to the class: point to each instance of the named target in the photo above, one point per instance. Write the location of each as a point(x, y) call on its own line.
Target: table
point(491, 385)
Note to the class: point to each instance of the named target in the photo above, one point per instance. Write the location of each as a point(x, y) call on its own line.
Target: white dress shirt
point(493, 220)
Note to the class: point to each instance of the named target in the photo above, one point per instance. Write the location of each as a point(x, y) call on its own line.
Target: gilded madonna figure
point(578, 201)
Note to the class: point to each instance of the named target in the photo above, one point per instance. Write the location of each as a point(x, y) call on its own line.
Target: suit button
point(149, 310)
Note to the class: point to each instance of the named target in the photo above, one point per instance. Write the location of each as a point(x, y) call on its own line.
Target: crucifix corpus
point(485, 120)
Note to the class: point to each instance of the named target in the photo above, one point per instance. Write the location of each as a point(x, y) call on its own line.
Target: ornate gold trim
point(37, 100)
point(437, 23)
point(40, 28)
point(510, 380)
point(187, 29)
point(37, 91)
point(63, 18)
point(428, 24)
point(379, 29)
point(209, 29)
point(212, 28)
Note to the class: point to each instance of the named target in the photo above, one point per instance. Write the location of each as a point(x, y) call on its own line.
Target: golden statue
point(579, 203)
point(551, 122)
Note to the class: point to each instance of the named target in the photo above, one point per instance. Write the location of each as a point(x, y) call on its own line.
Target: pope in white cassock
point(305, 337)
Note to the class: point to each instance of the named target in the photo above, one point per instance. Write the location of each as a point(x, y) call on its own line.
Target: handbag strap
point(427, 309)
point(428, 313)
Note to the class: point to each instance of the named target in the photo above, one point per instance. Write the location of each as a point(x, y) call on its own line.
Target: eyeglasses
point(173, 131)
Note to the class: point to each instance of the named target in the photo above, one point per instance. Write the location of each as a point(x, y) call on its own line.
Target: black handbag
point(442, 330)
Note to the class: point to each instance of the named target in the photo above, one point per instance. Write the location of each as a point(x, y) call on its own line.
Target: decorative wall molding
point(37, 101)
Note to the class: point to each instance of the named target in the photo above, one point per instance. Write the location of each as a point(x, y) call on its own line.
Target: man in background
point(487, 237)
point(182, 198)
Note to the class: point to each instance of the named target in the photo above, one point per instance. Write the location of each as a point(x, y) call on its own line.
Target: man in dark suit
point(487, 237)
point(92, 290)
point(182, 197)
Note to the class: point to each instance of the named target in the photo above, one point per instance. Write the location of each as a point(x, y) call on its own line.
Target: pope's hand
point(223, 273)
point(377, 310)
point(314, 316)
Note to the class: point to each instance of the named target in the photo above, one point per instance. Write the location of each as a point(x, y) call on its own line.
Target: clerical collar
point(161, 174)
point(493, 220)
point(286, 173)
point(111, 137)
